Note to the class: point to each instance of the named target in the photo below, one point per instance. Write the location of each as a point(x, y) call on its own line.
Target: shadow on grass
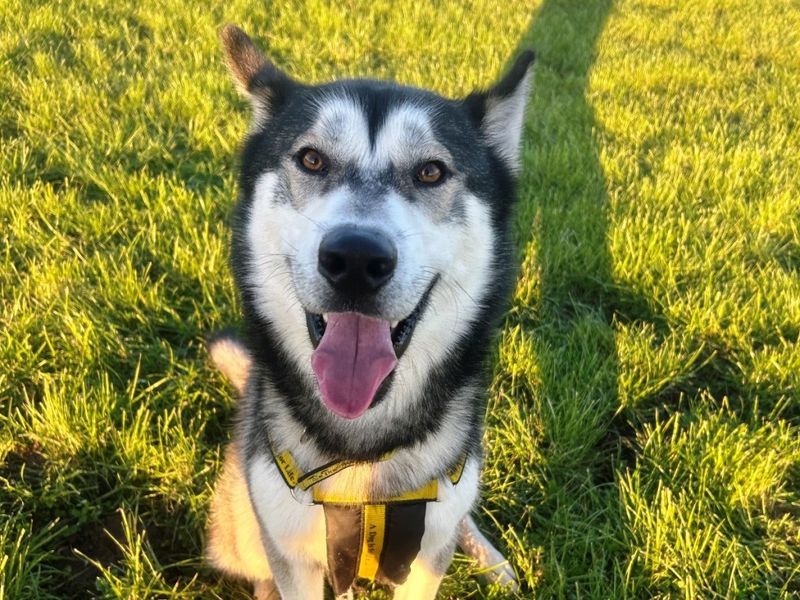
point(562, 511)
point(564, 218)
point(563, 502)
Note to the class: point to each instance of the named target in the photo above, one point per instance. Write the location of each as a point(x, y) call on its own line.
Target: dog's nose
point(356, 260)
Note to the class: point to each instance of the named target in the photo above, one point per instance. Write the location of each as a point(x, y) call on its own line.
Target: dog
point(372, 255)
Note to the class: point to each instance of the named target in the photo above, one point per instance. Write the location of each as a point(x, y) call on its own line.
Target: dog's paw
point(493, 565)
point(265, 590)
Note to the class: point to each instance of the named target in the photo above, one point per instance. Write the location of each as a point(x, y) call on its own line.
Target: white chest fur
point(297, 528)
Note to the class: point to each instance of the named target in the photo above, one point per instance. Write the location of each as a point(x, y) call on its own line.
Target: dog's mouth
point(354, 353)
point(401, 331)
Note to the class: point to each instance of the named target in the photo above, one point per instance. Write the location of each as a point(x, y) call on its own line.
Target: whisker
point(315, 223)
point(404, 235)
point(461, 287)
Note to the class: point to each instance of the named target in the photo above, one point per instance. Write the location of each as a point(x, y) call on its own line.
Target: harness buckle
point(302, 496)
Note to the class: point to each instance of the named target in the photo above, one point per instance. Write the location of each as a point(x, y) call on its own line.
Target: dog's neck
point(270, 422)
point(281, 393)
point(299, 418)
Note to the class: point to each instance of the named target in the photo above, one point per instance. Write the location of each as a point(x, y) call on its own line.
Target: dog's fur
point(454, 269)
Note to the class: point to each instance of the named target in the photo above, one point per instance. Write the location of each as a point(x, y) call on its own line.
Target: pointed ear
point(255, 76)
point(500, 111)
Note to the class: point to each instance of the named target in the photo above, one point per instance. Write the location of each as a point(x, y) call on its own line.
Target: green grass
point(642, 435)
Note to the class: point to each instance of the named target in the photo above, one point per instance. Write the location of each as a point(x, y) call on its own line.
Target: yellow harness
point(367, 538)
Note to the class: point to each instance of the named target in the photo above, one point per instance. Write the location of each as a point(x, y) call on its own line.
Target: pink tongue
point(352, 360)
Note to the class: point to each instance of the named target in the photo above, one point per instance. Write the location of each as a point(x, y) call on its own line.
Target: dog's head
point(371, 236)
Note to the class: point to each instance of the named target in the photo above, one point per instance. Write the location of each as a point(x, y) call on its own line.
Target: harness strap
point(294, 477)
point(369, 538)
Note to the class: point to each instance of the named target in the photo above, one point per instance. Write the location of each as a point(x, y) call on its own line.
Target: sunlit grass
point(642, 431)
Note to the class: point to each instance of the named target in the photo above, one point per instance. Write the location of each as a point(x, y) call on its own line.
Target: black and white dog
point(371, 251)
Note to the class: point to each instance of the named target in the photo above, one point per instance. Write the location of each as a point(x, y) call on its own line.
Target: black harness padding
point(403, 527)
point(405, 524)
point(366, 537)
point(343, 530)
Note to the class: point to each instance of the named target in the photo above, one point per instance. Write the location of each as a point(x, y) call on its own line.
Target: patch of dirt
point(23, 464)
point(92, 540)
point(95, 541)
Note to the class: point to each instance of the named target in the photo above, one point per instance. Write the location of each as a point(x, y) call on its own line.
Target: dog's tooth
point(394, 324)
point(325, 317)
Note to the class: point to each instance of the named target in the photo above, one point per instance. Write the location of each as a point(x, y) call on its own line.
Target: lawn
point(643, 433)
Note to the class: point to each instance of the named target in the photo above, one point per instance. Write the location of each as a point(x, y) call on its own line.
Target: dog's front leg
point(265, 590)
point(292, 533)
point(426, 575)
point(295, 579)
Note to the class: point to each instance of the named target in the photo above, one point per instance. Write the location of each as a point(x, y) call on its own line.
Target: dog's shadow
point(551, 414)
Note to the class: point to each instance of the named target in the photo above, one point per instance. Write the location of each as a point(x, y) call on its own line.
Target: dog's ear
point(499, 112)
point(266, 86)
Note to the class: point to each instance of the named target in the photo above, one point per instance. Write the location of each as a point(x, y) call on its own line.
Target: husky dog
point(371, 252)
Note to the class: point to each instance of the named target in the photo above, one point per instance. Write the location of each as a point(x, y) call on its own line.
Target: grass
point(642, 436)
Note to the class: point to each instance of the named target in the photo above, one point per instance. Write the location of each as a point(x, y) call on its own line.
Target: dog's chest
point(298, 528)
point(336, 522)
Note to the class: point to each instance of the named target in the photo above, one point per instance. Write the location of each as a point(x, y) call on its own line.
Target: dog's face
point(373, 218)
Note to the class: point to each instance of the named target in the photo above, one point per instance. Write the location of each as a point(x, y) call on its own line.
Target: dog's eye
point(431, 172)
point(311, 160)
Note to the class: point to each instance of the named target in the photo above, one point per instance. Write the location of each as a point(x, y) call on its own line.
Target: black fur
point(475, 103)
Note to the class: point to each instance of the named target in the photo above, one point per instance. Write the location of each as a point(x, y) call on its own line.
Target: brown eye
point(311, 160)
point(430, 173)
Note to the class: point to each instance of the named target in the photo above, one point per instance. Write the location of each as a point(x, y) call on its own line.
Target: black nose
point(355, 260)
